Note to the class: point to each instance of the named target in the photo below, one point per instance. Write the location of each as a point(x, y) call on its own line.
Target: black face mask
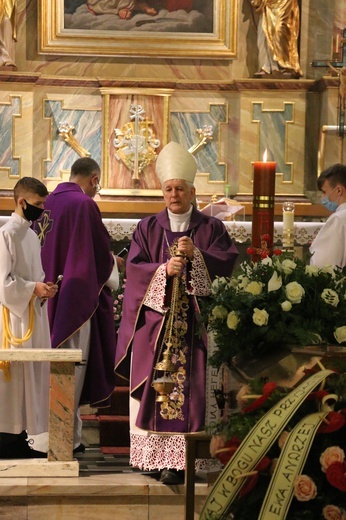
point(32, 212)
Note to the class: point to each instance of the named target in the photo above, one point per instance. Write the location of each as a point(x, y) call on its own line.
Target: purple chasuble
point(142, 328)
point(76, 244)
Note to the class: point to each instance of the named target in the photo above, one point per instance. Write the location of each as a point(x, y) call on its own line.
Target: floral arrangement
point(278, 301)
point(319, 491)
point(118, 297)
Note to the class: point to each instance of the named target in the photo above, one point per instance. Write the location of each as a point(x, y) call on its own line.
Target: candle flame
point(265, 156)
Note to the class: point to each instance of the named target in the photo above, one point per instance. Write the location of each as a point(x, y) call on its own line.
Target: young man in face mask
point(329, 247)
point(24, 387)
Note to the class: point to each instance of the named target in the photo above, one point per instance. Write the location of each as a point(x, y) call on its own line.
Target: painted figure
point(123, 8)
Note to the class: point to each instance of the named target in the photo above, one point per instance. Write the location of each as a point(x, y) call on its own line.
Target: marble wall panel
point(218, 160)
point(16, 108)
point(277, 124)
point(87, 130)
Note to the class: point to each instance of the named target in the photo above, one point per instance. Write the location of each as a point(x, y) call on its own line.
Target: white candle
point(288, 220)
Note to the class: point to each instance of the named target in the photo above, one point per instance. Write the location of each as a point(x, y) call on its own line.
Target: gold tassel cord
point(9, 339)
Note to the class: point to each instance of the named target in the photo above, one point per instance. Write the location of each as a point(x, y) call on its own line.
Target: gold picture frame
point(213, 32)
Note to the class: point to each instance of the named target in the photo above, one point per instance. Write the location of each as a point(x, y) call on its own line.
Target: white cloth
point(24, 402)
point(329, 247)
point(113, 280)
point(265, 58)
point(180, 222)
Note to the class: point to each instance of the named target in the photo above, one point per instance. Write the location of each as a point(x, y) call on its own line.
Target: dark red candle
point(263, 209)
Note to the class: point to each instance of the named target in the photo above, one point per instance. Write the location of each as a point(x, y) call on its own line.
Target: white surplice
point(24, 400)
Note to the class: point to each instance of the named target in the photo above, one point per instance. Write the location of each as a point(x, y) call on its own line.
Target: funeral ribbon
point(9, 339)
point(254, 447)
point(293, 456)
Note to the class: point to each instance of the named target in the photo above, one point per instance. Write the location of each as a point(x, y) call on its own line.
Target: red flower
point(317, 395)
point(336, 475)
point(268, 389)
point(335, 421)
point(249, 251)
point(252, 480)
point(227, 452)
point(277, 252)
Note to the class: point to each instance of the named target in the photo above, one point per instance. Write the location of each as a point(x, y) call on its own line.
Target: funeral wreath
point(277, 301)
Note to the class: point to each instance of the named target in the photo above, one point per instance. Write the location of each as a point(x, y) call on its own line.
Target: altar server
point(329, 246)
point(24, 386)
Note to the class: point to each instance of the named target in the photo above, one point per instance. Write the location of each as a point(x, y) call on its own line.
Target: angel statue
point(8, 36)
point(277, 38)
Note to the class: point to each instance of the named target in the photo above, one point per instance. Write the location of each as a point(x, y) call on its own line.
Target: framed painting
point(139, 28)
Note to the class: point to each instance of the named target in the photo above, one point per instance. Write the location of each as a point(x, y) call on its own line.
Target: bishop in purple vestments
point(159, 311)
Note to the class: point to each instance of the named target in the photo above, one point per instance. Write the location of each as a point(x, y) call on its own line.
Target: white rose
point(232, 320)
point(260, 317)
point(340, 334)
point(311, 270)
point(254, 288)
point(219, 312)
point(294, 292)
point(275, 282)
point(286, 306)
point(288, 266)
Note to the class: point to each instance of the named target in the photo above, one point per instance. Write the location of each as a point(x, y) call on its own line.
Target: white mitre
point(175, 162)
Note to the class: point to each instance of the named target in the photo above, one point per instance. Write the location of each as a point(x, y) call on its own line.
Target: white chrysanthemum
point(331, 297)
point(311, 270)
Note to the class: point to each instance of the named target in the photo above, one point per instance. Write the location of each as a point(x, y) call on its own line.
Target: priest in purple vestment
point(76, 244)
point(174, 257)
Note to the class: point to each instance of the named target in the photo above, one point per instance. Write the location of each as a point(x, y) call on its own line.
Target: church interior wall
point(247, 115)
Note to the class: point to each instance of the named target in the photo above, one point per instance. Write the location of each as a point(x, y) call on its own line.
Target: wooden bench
point(59, 462)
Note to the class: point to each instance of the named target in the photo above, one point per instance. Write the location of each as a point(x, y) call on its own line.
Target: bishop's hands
point(176, 264)
point(186, 246)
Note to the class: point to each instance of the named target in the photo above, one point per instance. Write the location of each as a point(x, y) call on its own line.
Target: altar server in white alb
point(329, 247)
point(24, 386)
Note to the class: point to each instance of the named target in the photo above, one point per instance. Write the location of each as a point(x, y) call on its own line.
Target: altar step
point(111, 492)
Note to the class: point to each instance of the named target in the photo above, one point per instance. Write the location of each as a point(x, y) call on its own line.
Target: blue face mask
point(329, 204)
